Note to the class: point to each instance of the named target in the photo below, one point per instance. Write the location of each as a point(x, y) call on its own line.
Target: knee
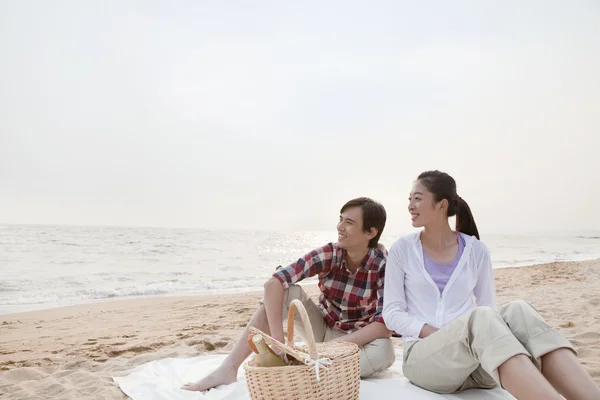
point(518, 305)
point(516, 308)
point(293, 292)
point(484, 313)
point(376, 356)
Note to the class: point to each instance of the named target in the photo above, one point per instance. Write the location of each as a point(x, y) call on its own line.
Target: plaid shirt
point(348, 301)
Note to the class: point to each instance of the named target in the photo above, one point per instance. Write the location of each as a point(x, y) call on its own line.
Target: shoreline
point(229, 292)
point(216, 293)
point(74, 351)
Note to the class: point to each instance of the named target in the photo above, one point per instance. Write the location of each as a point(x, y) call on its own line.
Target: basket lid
point(334, 350)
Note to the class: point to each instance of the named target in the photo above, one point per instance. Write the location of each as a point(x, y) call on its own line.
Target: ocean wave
point(69, 262)
point(154, 289)
point(60, 242)
point(8, 287)
point(180, 273)
point(156, 251)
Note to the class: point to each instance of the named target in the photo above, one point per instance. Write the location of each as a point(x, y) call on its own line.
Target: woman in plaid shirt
point(351, 275)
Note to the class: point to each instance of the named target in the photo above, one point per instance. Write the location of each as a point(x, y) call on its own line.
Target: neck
point(355, 256)
point(438, 235)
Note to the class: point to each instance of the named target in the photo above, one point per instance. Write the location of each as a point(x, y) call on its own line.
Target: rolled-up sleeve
point(313, 263)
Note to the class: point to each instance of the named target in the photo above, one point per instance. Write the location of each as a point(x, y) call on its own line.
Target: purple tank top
point(440, 273)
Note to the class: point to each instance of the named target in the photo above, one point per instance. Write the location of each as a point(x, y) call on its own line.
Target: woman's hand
point(427, 330)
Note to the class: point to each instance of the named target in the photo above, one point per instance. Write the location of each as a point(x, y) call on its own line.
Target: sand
point(72, 352)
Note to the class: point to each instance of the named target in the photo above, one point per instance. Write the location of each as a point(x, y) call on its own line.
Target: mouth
point(341, 236)
point(413, 216)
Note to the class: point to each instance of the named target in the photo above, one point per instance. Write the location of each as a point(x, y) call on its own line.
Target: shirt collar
point(364, 263)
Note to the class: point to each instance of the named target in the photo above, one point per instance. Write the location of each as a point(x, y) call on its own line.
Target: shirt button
point(338, 323)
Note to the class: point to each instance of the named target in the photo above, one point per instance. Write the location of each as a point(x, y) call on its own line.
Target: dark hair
point(443, 186)
point(373, 214)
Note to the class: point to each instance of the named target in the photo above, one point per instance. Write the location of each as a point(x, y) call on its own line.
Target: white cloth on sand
point(162, 379)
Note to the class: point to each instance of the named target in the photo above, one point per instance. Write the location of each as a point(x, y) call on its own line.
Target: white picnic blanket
point(162, 379)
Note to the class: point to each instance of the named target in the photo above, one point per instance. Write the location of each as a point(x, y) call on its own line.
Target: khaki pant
point(467, 352)
point(375, 357)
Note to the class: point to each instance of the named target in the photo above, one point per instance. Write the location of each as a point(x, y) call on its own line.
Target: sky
point(270, 115)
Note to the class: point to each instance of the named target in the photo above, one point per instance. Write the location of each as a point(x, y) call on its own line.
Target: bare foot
point(223, 375)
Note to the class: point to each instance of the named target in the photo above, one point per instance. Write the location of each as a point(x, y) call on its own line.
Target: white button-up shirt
point(412, 299)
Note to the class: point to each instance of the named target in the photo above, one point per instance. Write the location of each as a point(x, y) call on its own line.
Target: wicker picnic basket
point(324, 371)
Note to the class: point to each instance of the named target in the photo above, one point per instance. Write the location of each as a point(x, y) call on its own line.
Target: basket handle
point(310, 336)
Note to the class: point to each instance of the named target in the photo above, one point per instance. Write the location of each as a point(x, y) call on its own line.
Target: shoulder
point(330, 253)
point(377, 259)
point(331, 246)
point(328, 249)
point(403, 251)
point(405, 242)
point(479, 251)
point(324, 254)
point(478, 248)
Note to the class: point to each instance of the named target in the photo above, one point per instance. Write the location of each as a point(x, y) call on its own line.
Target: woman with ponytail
point(439, 295)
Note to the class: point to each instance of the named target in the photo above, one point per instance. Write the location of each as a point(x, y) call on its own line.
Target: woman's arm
point(394, 299)
point(485, 289)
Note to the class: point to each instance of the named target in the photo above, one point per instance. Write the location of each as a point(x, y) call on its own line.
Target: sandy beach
point(72, 352)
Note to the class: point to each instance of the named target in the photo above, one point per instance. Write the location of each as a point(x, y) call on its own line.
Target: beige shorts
point(467, 352)
point(375, 357)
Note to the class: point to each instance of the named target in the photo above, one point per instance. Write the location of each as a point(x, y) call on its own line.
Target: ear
point(444, 204)
point(372, 233)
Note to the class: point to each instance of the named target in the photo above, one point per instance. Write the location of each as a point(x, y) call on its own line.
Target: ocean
point(50, 266)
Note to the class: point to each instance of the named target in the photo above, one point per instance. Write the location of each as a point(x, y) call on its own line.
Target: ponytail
point(443, 186)
point(465, 222)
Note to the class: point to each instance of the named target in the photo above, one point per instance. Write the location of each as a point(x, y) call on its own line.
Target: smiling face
point(423, 208)
point(350, 230)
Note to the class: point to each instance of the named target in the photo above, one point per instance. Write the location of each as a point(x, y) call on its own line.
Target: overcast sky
point(270, 115)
